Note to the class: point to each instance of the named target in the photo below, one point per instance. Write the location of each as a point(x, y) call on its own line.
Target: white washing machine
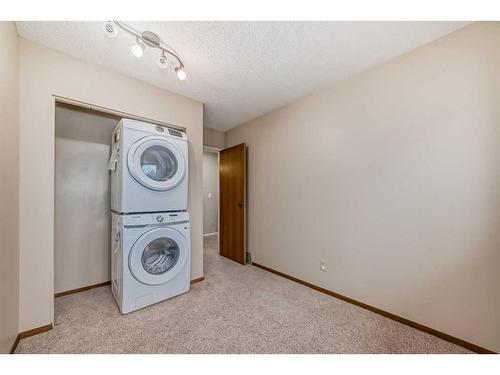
point(149, 168)
point(150, 258)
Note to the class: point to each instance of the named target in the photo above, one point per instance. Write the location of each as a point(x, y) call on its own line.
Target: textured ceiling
point(241, 70)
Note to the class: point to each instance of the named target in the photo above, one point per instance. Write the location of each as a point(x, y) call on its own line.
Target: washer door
point(158, 256)
point(156, 163)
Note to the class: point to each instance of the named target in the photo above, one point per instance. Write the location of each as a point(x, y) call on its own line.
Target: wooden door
point(232, 190)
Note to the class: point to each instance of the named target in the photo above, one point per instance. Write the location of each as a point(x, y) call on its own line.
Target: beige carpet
point(237, 309)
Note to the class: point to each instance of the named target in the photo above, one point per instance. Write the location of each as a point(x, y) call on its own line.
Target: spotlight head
point(181, 74)
point(162, 62)
point(138, 49)
point(110, 29)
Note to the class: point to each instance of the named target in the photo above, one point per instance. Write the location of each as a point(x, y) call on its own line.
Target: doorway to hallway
point(211, 196)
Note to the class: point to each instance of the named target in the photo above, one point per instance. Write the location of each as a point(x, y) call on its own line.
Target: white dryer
point(149, 168)
point(150, 258)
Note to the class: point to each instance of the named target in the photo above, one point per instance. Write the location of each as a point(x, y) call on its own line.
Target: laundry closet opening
point(82, 197)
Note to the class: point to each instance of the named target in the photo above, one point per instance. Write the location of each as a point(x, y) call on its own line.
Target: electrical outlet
point(209, 195)
point(322, 265)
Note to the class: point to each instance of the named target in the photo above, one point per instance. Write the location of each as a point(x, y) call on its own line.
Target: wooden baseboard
point(210, 234)
point(73, 291)
point(48, 327)
point(61, 294)
point(31, 332)
point(35, 331)
point(14, 345)
point(432, 331)
point(194, 281)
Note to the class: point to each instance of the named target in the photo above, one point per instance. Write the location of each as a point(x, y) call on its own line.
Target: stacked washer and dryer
point(150, 236)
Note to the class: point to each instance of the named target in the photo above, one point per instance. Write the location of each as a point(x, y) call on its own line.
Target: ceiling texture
point(241, 70)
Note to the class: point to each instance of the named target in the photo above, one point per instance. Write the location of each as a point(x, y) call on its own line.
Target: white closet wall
point(82, 194)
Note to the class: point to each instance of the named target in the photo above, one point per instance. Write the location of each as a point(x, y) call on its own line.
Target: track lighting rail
point(149, 39)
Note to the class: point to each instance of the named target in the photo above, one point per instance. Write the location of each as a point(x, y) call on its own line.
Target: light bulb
point(181, 74)
point(110, 29)
point(138, 49)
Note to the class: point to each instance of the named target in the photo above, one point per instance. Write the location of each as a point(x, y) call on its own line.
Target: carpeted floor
point(237, 309)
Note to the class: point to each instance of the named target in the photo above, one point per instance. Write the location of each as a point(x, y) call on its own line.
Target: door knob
point(240, 204)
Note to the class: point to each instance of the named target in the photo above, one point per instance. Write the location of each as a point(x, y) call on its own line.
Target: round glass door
point(156, 163)
point(158, 256)
point(159, 163)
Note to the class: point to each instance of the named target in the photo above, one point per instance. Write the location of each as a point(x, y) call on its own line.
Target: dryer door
point(156, 163)
point(158, 256)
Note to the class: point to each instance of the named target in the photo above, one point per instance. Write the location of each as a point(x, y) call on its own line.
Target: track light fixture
point(162, 61)
point(147, 39)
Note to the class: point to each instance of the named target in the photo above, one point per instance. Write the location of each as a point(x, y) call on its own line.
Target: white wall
point(393, 178)
point(82, 198)
point(9, 185)
point(210, 192)
point(44, 73)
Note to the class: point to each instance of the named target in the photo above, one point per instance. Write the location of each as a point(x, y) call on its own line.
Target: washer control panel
point(134, 220)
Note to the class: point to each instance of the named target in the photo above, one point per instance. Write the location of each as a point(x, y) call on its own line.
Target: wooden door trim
point(245, 203)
